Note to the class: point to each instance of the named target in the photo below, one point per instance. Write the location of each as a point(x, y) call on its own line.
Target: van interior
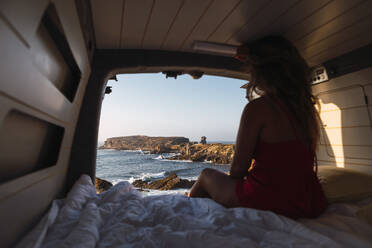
point(57, 56)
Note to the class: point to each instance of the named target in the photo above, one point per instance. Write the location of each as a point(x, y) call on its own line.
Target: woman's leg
point(216, 185)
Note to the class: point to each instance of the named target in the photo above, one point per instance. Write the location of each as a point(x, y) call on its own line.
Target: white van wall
point(34, 106)
point(346, 137)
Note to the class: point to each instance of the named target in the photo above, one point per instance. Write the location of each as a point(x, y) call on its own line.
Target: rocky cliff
point(146, 143)
point(215, 153)
point(102, 185)
point(170, 182)
point(186, 150)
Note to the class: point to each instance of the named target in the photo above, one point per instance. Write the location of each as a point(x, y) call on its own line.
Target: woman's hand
point(238, 174)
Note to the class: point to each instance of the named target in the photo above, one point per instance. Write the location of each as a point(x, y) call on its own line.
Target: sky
point(150, 104)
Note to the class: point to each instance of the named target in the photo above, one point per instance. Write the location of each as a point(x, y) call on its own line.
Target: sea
point(128, 165)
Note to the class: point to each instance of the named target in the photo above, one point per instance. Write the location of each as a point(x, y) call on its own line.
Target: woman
point(279, 131)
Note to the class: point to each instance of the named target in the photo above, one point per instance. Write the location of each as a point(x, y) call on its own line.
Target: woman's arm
point(251, 124)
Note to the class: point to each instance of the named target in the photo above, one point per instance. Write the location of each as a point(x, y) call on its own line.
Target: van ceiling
point(321, 29)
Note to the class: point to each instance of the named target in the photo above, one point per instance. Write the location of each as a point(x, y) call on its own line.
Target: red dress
point(283, 181)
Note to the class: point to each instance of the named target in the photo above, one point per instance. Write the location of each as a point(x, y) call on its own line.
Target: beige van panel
point(352, 136)
point(346, 138)
point(22, 210)
point(17, 63)
point(350, 117)
point(23, 16)
point(26, 89)
point(337, 99)
point(49, 60)
point(70, 23)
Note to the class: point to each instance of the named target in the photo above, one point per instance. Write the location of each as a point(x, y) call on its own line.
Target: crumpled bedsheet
point(122, 217)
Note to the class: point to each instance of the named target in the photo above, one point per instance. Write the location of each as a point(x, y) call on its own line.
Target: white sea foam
point(143, 152)
point(191, 178)
point(184, 161)
point(131, 180)
point(159, 157)
point(143, 177)
point(148, 176)
point(165, 156)
point(116, 181)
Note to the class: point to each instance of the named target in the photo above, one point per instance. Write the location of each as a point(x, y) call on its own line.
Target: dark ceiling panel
point(242, 14)
point(321, 29)
point(161, 19)
point(340, 49)
point(300, 11)
point(107, 22)
point(349, 19)
point(324, 15)
point(331, 43)
point(136, 15)
point(187, 18)
point(267, 16)
point(210, 21)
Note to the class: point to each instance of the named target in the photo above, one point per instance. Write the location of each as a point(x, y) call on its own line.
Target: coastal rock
point(215, 153)
point(170, 182)
point(145, 143)
point(102, 185)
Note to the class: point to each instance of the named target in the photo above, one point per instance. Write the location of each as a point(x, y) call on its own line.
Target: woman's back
point(282, 179)
point(277, 125)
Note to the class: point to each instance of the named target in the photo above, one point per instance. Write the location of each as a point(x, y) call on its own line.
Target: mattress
point(123, 217)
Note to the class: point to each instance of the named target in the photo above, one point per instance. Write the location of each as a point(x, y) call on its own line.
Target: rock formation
point(215, 153)
point(170, 182)
point(102, 185)
point(145, 143)
point(186, 150)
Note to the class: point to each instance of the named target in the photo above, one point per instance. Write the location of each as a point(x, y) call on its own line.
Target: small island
point(216, 153)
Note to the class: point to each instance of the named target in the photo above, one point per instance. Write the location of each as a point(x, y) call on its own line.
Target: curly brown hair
point(278, 70)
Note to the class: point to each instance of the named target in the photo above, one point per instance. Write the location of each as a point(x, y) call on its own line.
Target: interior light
point(215, 48)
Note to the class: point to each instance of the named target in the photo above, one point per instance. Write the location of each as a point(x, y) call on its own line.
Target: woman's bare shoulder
point(261, 105)
point(257, 111)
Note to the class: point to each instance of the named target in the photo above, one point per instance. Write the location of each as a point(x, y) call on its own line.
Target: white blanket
point(122, 217)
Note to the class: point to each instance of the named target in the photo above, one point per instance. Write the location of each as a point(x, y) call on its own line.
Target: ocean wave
point(160, 157)
point(144, 177)
point(165, 156)
point(116, 181)
point(148, 176)
point(178, 161)
point(135, 151)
